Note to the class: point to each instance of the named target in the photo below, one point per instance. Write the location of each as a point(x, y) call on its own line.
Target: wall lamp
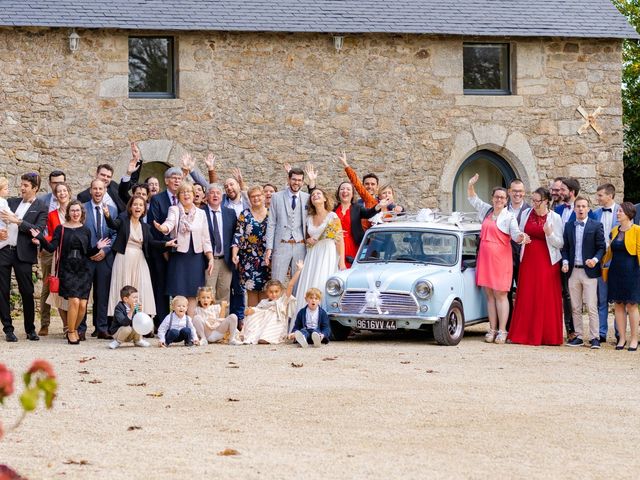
point(338, 42)
point(74, 41)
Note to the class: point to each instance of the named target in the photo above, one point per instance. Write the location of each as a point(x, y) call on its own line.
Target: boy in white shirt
point(177, 326)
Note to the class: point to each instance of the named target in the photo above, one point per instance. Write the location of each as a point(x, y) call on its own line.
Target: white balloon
point(142, 323)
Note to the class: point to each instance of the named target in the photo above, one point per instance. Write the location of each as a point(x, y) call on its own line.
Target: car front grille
point(386, 303)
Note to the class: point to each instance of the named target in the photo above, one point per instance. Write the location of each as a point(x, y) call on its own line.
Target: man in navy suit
point(101, 263)
point(56, 177)
point(17, 252)
point(158, 210)
point(583, 249)
point(607, 214)
point(222, 226)
point(111, 198)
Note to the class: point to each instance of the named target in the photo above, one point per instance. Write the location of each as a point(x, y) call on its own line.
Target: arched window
point(494, 171)
point(154, 169)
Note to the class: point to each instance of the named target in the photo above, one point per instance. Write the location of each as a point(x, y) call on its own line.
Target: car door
point(473, 300)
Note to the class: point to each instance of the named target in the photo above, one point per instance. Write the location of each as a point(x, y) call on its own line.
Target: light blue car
point(411, 275)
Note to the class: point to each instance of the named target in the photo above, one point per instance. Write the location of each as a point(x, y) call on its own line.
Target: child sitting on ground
point(210, 321)
point(312, 322)
point(268, 322)
point(177, 326)
point(122, 326)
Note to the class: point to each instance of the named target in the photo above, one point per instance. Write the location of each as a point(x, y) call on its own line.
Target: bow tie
point(607, 210)
point(566, 205)
point(579, 223)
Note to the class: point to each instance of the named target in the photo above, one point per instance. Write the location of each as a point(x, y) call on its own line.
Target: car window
point(409, 246)
point(470, 246)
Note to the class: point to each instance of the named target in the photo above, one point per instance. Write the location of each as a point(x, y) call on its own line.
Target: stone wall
point(394, 103)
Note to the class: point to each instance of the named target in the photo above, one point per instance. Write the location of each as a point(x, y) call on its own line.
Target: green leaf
point(29, 399)
point(26, 376)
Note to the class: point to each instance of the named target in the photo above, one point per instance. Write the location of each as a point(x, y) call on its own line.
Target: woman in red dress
point(350, 215)
point(537, 315)
point(493, 273)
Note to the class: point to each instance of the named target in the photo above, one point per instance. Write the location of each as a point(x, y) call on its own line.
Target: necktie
point(579, 223)
point(174, 201)
point(607, 210)
point(293, 202)
point(217, 248)
point(98, 223)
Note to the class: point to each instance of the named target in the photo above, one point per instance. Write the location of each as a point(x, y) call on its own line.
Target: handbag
point(54, 280)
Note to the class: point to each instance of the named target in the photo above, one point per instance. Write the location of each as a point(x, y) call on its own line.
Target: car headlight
point(334, 286)
point(424, 289)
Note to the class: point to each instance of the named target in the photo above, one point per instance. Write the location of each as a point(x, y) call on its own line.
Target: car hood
point(389, 276)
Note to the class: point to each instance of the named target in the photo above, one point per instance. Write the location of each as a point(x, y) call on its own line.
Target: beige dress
point(132, 269)
point(270, 321)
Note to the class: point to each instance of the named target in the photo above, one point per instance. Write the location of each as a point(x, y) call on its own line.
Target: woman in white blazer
point(493, 273)
point(192, 254)
point(537, 315)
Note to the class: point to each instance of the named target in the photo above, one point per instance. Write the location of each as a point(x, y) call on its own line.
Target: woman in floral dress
point(249, 247)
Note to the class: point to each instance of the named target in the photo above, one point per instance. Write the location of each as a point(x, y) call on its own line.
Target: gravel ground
point(376, 406)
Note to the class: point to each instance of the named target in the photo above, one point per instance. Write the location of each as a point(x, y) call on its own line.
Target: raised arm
point(369, 200)
point(294, 278)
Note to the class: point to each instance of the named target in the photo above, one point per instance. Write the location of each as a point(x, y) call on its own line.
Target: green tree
point(631, 101)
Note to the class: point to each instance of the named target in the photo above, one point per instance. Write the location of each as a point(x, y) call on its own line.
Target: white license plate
point(376, 324)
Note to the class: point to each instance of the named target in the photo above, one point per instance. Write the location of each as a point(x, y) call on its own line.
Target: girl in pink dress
point(494, 269)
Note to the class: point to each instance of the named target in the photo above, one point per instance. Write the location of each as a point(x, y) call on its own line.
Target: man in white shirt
point(20, 253)
point(607, 215)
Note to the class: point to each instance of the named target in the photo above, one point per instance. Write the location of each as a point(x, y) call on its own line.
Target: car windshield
point(436, 248)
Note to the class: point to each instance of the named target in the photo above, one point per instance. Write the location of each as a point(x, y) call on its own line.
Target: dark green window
point(151, 67)
point(486, 69)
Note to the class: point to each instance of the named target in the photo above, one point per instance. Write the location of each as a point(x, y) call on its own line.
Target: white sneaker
point(317, 340)
point(302, 341)
point(114, 344)
point(203, 342)
point(235, 341)
point(142, 343)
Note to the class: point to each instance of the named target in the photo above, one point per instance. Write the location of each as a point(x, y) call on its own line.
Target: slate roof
point(558, 18)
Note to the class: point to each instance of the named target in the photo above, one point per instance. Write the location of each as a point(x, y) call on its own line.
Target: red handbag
point(54, 280)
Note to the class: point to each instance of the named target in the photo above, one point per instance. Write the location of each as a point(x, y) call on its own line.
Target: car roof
point(442, 226)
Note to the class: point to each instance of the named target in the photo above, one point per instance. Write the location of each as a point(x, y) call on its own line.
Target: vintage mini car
point(416, 272)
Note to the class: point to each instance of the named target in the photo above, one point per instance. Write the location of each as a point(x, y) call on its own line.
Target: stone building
point(423, 92)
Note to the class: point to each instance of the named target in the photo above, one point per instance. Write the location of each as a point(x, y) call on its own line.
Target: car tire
point(339, 331)
point(450, 329)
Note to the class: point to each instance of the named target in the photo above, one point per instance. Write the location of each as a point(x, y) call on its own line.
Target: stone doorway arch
point(512, 146)
point(158, 156)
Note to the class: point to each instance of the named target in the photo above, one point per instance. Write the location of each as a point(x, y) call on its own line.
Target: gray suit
point(286, 232)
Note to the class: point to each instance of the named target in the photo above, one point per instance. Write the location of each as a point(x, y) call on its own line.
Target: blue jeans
point(236, 304)
point(603, 308)
point(174, 335)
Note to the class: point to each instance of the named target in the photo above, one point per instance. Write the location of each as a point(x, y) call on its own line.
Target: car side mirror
point(468, 263)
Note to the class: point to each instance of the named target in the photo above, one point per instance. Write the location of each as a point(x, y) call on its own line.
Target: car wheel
point(339, 331)
point(450, 329)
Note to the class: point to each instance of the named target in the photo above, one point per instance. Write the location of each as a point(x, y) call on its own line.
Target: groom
point(287, 227)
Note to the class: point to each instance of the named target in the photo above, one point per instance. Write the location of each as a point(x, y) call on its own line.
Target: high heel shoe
point(621, 347)
point(72, 342)
point(633, 349)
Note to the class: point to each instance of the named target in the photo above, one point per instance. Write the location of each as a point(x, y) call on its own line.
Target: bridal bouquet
point(333, 230)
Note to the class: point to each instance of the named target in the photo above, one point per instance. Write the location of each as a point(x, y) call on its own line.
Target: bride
point(325, 245)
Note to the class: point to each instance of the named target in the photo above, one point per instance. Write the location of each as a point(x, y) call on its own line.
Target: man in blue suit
point(583, 249)
point(158, 211)
point(222, 226)
point(607, 214)
point(102, 262)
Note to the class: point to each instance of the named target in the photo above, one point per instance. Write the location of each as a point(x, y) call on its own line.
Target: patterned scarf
point(186, 219)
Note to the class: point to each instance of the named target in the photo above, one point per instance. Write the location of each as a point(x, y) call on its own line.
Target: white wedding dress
point(320, 263)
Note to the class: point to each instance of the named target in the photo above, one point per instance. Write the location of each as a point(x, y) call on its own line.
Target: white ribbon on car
point(373, 296)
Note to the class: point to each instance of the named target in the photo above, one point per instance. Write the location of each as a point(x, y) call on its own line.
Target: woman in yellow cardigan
point(624, 274)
